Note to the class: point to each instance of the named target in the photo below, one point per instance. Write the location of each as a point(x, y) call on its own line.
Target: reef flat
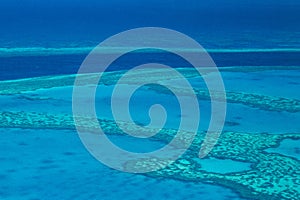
point(272, 176)
point(110, 78)
point(260, 101)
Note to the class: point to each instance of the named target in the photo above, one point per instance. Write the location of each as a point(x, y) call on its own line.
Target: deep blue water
point(216, 25)
point(40, 23)
point(33, 66)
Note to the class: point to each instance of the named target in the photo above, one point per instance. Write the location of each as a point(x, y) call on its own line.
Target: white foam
point(39, 51)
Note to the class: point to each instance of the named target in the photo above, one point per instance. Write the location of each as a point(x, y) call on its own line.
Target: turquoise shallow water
point(240, 117)
point(223, 166)
point(287, 147)
point(52, 163)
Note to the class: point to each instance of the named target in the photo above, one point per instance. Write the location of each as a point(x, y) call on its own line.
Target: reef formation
point(271, 175)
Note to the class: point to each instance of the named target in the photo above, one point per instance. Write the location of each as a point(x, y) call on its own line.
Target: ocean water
point(256, 47)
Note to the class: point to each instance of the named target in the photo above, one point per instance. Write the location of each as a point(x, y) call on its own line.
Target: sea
point(255, 46)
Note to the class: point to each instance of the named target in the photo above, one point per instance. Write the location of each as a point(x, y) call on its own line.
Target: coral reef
point(272, 176)
point(260, 101)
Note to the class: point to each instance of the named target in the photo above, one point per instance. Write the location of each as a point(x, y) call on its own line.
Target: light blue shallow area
point(239, 117)
point(287, 147)
point(282, 83)
point(254, 120)
point(222, 166)
point(53, 164)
